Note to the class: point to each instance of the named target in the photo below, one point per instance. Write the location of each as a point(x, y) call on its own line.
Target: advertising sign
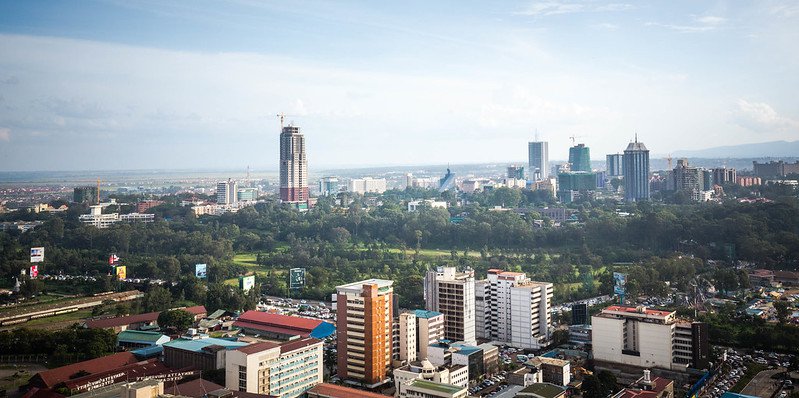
point(113, 260)
point(619, 278)
point(34, 271)
point(296, 278)
point(246, 282)
point(37, 254)
point(122, 272)
point(618, 290)
point(201, 270)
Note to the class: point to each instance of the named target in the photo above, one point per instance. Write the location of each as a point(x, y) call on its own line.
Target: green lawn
point(70, 316)
point(246, 260)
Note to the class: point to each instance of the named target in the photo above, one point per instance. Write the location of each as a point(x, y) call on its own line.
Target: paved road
point(762, 385)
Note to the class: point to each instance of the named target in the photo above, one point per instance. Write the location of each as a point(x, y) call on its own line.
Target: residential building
point(204, 354)
point(429, 330)
point(517, 310)
point(329, 186)
point(46, 208)
point(613, 165)
point(145, 205)
point(247, 194)
point(580, 158)
point(407, 337)
point(538, 158)
point(481, 291)
point(364, 321)
point(724, 176)
point(687, 178)
point(418, 388)
point(293, 165)
point(285, 370)
point(643, 337)
point(87, 194)
point(227, 192)
point(425, 370)
point(775, 169)
point(367, 185)
point(97, 219)
point(553, 370)
point(282, 327)
point(748, 181)
point(414, 205)
point(452, 293)
point(516, 172)
point(635, 166)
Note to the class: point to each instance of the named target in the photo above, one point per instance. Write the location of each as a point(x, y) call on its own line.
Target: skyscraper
point(517, 310)
point(293, 165)
point(538, 157)
point(614, 165)
point(227, 192)
point(636, 172)
point(452, 294)
point(580, 158)
point(364, 321)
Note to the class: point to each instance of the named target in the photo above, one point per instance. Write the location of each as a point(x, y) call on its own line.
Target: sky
point(148, 84)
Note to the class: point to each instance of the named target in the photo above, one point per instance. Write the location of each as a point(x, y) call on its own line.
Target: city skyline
point(414, 84)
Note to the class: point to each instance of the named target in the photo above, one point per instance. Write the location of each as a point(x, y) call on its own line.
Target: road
point(762, 385)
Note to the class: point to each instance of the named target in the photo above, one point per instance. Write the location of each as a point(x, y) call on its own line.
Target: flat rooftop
point(357, 286)
point(433, 386)
point(623, 309)
point(199, 344)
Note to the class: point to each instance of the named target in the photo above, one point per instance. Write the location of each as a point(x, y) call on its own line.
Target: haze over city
point(118, 85)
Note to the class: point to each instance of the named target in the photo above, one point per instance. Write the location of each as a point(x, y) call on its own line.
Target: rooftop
point(50, 378)
point(306, 325)
point(381, 283)
point(543, 390)
point(199, 344)
point(426, 314)
point(335, 391)
point(140, 318)
point(440, 387)
point(138, 335)
point(636, 310)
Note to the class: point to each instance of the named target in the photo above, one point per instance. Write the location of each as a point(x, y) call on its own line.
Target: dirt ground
point(14, 375)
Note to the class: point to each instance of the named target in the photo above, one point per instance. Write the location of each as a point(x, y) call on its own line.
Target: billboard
point(296, 278)
point(619, 278)
point(34, 271)
point(121, 271)
point(113, 260)
point(37, 254)
point(201, 270)
point(246, 282)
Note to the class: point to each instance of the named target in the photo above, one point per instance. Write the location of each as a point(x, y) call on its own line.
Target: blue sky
point(196, 84)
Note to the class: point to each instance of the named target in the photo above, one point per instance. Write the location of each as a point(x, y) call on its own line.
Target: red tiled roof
point(149, 367)
point(42, 393)
point(199, 388)
point(334, 391)
point(140, 318)
point(50, 378)
point(271, 329)
point(660, 385)
point(257, 347)
point(280, 320)
point(297, 344)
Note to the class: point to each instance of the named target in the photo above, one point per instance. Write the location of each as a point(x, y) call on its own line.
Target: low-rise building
point(445, 353)
point(429, 330)
point(542, 390)
point(648, 387)
point(414, 205)
point(138, 339)
point(206, 354)
point(553, 370)
point(282, 327)
point(425, 370)
point(283, 370)
point(327, 390)
point(132, 322)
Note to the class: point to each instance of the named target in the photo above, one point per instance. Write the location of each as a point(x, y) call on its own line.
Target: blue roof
point(198, 345)
point(467, 349)
point(426, 314)
point(325, 329)
point(148, 352)
point(734, 395)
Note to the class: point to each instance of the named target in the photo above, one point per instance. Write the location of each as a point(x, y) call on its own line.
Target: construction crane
point(574, 138)
point(282, 116)
point(668, 159)
point(98, 190)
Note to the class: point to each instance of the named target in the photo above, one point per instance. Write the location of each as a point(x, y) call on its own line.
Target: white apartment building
point(284, 370)
point(480, 289)
point(367, 184)
point(452, 293)
point(100, 220)
point(227, 192)
point(414, 205)
point(425, 370)
point(407, 336)
point(429, 330)
point(643, 337)
point(517, 310)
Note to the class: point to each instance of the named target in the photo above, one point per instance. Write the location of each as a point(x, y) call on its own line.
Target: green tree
point(783, 310)
point(178, 319)
point(157, 299)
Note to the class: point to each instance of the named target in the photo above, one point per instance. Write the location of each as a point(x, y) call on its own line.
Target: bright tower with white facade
point(517, 310)
point(452, 293)
point(293, 165)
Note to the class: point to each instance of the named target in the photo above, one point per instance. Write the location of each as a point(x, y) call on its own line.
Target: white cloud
point(606, 26)
point(5, 134)
point(547, 8)
point(700, 24)
point(761, 117)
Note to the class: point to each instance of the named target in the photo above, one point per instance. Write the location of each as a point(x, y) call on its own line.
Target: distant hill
point(759, 150)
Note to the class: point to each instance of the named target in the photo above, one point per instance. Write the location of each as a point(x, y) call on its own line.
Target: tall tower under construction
point(293, 165)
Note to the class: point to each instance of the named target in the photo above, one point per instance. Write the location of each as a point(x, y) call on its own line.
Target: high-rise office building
point(636, 172)
point(538, 158)
point(614, 165)
point(407, 336)
point(517, 309)
point(328, 186)
point(364, 321)
point(516, 172)
point(227, 192)
point(429, 330)
point(580, 158)
point(580, 314)
point(293, 165)
point(452, 293)
point(86, 194)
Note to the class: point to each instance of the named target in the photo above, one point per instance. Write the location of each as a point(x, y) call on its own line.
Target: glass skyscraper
point(580, 158)
point(636, 172)
point(614, 162)
point(538, 156)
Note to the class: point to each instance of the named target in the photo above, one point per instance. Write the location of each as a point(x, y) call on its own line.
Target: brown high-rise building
point(364, 331)
point(293, 165)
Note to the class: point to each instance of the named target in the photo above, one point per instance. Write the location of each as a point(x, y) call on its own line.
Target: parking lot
point(491, 386)
point(750, 373)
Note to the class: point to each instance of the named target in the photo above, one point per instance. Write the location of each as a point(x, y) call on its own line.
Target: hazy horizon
point(186, 85)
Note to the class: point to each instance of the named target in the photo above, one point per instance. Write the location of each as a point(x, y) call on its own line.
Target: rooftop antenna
point(537, 139)
point(636, 138)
